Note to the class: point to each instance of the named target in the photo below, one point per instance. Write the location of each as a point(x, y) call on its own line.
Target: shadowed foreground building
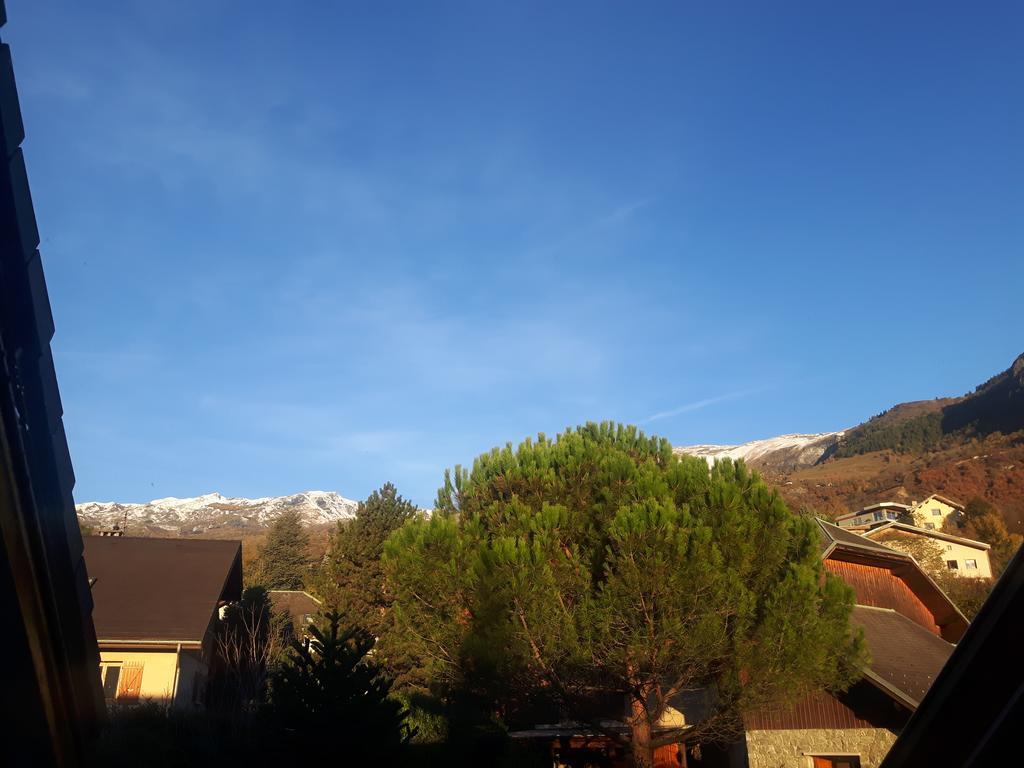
point(50, 693)
point(157, 604)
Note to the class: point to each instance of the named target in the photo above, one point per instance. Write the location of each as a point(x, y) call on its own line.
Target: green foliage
point(329, 696)
point(353, 578)
point(148, 734)
point(916, 435)
point(966, 593)
point(283, 559)
point(602, 562)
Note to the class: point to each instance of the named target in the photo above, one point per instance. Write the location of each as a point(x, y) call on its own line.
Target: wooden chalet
point(909, 625)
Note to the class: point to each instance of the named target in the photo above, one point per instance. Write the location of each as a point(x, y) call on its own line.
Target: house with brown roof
point(156, 605)
point(963, 557)
point(300, 607)
point(909, 625)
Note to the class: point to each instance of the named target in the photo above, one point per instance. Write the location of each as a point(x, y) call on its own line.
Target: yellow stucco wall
point(924, 515)
point(961, 553)
point(158, 671)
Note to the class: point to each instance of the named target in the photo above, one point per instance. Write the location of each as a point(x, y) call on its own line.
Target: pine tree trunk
point(640, 736)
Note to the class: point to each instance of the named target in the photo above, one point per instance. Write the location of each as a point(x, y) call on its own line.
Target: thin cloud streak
point(697, 405)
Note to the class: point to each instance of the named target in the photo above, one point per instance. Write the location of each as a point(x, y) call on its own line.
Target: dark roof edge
point(925, 532)
point(888, 688)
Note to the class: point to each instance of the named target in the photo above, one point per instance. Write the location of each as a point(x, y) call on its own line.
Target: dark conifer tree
point(284, 557)
point(354, 577)
point(332, 699)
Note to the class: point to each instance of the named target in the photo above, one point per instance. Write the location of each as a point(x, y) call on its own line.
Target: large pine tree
point(602, 563)
point(353, 575)
point(283, 560)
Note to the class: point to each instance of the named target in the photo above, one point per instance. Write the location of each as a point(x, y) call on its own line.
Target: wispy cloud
point(698, 405)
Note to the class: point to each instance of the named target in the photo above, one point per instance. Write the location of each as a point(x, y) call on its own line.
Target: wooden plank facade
point(819, 710)
point(879, 587)
point(860, 707)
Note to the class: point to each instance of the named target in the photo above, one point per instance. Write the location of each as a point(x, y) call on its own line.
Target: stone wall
point(791, 748)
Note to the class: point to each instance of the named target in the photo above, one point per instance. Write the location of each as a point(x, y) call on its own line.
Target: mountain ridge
point(214, 515)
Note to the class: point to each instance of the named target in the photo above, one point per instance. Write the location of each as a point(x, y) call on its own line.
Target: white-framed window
point(970, 565)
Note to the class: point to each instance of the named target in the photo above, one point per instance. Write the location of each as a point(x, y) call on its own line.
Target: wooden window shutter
point(131, 682)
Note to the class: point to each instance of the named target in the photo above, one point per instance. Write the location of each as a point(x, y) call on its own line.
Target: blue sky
point(326, 245)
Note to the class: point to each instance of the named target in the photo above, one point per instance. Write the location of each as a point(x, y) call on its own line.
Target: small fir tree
point(333, 699)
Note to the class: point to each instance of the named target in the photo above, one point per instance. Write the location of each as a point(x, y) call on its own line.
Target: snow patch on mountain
point(214, 512)
point(782, 452)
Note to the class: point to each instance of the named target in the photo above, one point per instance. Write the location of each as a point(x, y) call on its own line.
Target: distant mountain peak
point(785, 452)
point(213, 514)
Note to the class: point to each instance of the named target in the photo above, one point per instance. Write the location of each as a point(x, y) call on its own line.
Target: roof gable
point(840, 544)
point(159, 590)
point(943, 499)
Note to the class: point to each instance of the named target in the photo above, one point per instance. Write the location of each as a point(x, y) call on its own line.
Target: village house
point(300, 606)
point(156, 604)
point(934, 511)
point(910, 626)
point(929, 514)
point(964, 557)
point(873, 514)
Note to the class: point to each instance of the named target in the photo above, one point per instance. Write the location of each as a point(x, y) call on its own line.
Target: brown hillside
point(992, 468)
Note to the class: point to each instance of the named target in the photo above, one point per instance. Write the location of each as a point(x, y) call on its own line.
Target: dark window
point(952, 565)
point(110, 677)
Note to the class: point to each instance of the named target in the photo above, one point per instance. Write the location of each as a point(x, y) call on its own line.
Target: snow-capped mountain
point(213, 514)
point(785, 452)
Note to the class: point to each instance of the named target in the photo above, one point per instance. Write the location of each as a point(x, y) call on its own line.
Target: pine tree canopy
point(602, 562)
point(284, 557)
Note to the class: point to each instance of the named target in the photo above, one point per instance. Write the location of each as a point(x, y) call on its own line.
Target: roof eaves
point(887, 687)
point(161, 643)
point(925, 532)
